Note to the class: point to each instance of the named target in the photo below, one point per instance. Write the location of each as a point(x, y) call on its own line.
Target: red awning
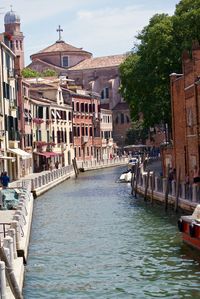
point(45, 154)
point(48, 154)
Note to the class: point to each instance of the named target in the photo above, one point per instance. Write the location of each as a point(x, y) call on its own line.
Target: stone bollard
point(16, 226)
point(8, 243)
point(2, 280)
point(22, 203)
point(20, 217)
point(12, 234)
point(21, 209)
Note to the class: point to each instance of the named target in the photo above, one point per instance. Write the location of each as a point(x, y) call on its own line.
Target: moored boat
point(189, 226)
point(126, 176)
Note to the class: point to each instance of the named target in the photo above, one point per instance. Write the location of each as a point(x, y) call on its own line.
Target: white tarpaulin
point(24, 155)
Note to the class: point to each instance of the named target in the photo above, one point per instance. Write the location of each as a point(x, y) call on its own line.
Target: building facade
point(99, 75)
point(184, 153)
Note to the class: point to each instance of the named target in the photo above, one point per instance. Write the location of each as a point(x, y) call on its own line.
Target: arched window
point(127, 119)
point(117, 120)
point(77, 106)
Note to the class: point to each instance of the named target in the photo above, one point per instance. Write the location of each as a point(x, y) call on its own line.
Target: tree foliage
point(145, 74)
point(29, 73)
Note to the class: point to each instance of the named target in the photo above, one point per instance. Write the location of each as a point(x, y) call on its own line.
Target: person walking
point(5, 179)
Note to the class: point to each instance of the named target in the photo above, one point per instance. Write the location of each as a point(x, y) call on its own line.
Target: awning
point(48, 154)
point(7, 158)
point(17, 151)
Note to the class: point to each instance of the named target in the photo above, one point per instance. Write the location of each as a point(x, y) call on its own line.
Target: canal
point(92, 239)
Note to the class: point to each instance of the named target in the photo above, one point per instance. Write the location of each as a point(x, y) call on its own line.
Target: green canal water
point(92, 239)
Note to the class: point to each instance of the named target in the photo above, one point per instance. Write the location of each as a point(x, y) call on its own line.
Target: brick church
point(99, 75)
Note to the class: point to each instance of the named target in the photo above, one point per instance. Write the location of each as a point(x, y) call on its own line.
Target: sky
point(102, 27)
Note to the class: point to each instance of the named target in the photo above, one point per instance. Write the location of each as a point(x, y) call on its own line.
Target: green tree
point(145, 81)
point(29, 73)
point(136, 135)
point(145, 74)
point(186, 22)
point(48, 73)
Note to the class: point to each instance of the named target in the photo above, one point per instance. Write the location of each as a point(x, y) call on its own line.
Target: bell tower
point(13, 35)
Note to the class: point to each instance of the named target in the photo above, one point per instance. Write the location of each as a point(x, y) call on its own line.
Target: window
point(65, 61)
point(74, 131)
point(122, 118)
point(47, 113)
point(40, 112)
point(91, 131)
point(82, 131)
point(39, 135)
point(48, 136)
point(77, 106)
point(105, 93)
point(78, 131)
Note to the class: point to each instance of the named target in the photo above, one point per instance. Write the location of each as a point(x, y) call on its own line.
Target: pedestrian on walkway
point(5, 179)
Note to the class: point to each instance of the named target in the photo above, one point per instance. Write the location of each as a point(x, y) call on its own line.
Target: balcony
point(84, 139)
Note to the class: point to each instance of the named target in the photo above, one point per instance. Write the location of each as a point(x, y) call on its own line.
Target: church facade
point(99, 75)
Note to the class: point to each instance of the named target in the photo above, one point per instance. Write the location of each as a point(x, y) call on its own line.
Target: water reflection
point(92, 239)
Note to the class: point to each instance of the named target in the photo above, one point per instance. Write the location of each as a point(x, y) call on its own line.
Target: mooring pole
point(177, 190)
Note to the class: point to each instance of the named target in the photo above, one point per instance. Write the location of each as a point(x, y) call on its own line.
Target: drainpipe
point(19, 101)
point(5, 163)
point(197, 83)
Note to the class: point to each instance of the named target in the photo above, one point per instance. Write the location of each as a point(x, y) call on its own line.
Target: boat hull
point(190, 232)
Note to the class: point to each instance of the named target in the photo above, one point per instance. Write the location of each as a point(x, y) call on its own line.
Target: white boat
point(126, 176)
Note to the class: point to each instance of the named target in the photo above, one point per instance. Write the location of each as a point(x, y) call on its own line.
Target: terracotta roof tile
point(60, 46)
point(121, 106)
point(100, 62)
